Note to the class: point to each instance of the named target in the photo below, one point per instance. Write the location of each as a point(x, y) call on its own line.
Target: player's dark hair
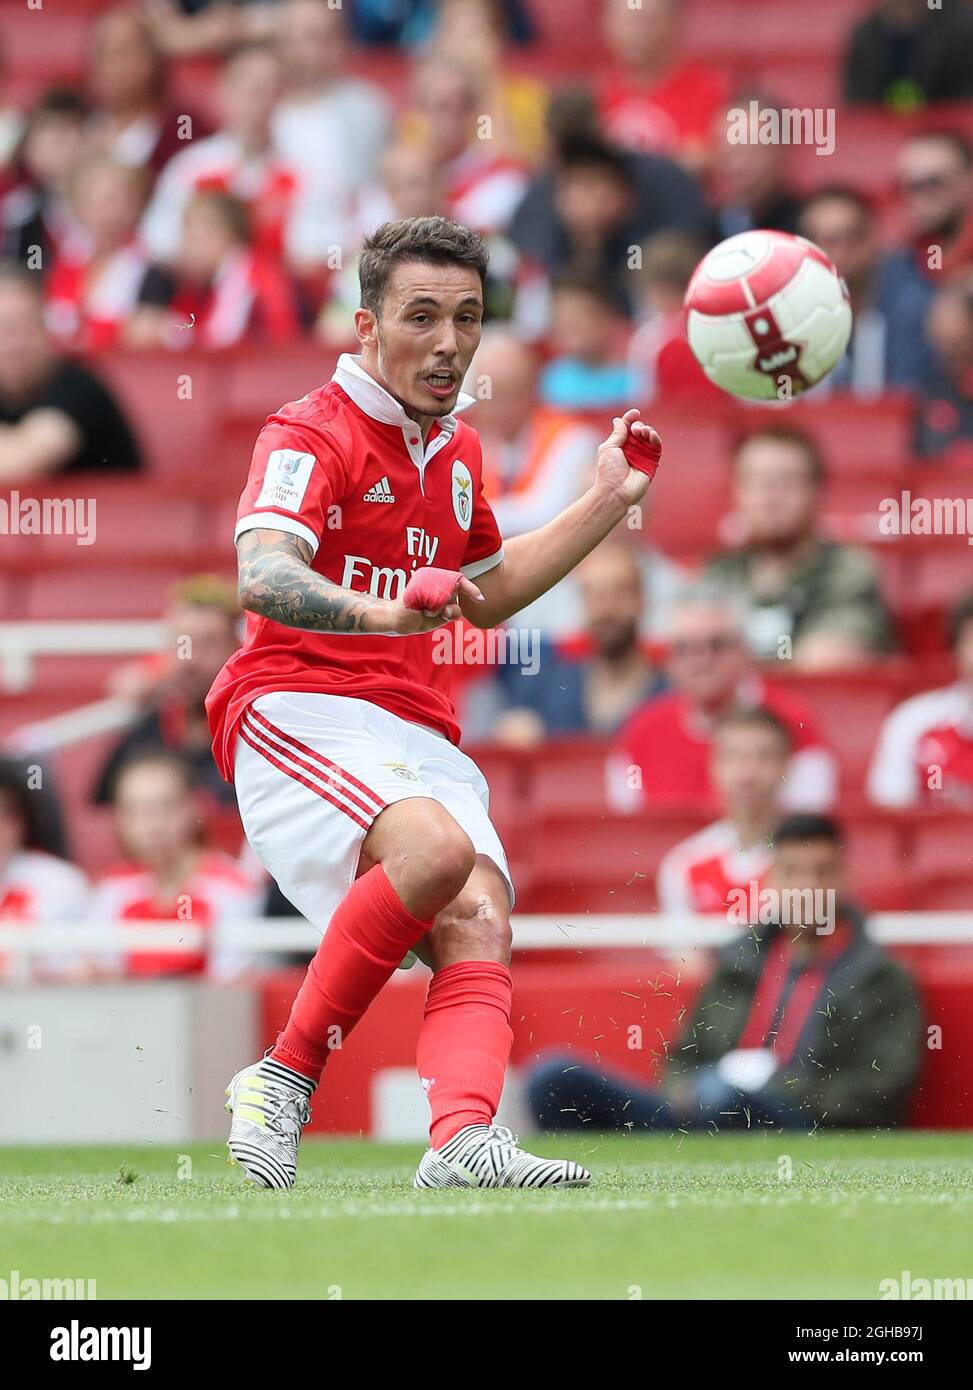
point(754, 717)
point(801, 827)
point(792, 436)
point(15, 792)
point(960, 616)
point(432, 240)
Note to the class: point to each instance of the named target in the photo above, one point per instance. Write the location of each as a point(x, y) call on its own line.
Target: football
point(767, 315)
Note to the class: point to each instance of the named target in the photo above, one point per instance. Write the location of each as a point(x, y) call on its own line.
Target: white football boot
point(488, 1156)
point(269, 1114)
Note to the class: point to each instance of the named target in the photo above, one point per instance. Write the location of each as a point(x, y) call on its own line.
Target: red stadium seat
point(257, 383)
point(718, 28)
point(601, 863)
point(98, 593)
point(849, 707)
point(173, 400)
point(569, 777)
point(943, 846)
point(878, 860)
point(855, 436)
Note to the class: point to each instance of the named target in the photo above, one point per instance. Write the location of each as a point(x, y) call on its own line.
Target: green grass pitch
point(701, 1216)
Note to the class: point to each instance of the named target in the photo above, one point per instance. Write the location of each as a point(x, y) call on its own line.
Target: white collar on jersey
point(375, 401)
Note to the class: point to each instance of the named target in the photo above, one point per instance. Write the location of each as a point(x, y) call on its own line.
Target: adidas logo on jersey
point(380, 492)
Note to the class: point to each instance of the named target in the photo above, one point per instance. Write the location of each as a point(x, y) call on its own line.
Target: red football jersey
point(346, 469)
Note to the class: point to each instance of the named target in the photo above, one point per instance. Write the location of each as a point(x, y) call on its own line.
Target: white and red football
point(767, 315)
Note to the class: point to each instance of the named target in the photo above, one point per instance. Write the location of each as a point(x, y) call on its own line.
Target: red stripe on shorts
point(311, 786)
point(307, 757)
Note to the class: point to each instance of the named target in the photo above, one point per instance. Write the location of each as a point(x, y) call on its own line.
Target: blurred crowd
point(148, 224)
point(129, 221)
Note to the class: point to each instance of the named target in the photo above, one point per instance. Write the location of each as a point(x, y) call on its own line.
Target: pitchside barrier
point(146, 1059)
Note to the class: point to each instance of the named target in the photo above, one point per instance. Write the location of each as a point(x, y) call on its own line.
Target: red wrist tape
point(430, 589)
point(642, 455)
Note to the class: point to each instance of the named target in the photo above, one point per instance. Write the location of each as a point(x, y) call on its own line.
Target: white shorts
point(313, 771)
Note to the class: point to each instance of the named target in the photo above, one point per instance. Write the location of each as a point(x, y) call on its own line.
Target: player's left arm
point(536, 561)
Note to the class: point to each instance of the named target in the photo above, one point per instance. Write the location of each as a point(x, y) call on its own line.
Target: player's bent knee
point(438, 864)
point(472, 927)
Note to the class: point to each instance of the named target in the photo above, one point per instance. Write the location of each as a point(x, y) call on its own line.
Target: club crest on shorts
point(402, 771)
point(462, 494)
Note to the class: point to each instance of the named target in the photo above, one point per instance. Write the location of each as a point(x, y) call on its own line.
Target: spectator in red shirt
point(924, 755)
point(663, 754)
point(168, 875)
point(98, 274)
point(223, 290)
point(751, 751)
point(655, 100)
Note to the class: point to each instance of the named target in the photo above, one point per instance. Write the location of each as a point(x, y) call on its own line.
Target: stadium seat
point(848, 707)
point(98, 593)
point(943, 842)
point(719, 29)
point(878, 860)
point(855, 436)
point(174, 401)
point(568, 776)
point(601, 863)
point(257, 383)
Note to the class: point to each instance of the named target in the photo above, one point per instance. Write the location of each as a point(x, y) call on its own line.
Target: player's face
point(423, 342)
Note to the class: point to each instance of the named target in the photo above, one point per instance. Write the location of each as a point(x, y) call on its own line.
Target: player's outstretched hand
point(629, 457)
point(432, 598)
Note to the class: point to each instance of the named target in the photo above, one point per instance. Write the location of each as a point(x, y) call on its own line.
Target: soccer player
point(362, 529)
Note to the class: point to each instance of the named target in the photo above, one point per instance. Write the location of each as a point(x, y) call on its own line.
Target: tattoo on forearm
point(276, 581)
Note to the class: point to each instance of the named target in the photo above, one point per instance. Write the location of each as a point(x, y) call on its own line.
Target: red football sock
point(364, 943)
point(464, 1045)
